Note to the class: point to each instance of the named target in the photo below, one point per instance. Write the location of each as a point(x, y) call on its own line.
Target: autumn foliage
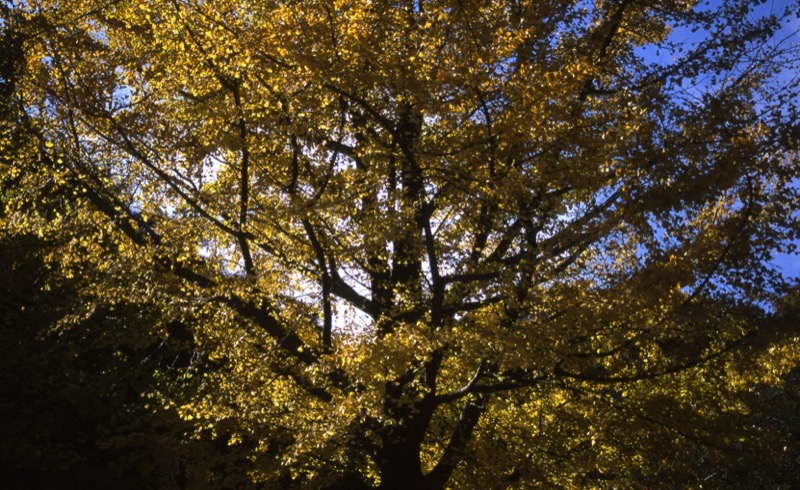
point(415, 244)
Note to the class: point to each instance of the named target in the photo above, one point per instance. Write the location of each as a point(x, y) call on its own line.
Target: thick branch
point(438, 284)
point(516, 380)
point(325, 280)
point(343, 290)
point(244, 184)
point(464, 390)
point(454, 452)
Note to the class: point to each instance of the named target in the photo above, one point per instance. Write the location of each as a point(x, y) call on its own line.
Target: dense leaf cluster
point(415, 244)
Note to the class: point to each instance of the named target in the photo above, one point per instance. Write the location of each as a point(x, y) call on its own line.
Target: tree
point(434, 243)
point(77, 394)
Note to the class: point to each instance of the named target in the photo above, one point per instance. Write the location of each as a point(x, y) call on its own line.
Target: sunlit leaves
point(460, 243)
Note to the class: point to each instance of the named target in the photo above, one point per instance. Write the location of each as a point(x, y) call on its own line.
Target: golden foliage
point(436, 243)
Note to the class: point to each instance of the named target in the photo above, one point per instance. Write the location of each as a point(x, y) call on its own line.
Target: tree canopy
point(414, 244)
